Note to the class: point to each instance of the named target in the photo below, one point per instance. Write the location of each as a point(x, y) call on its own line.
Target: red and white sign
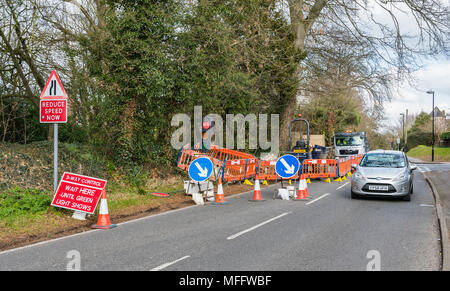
point(78, 192)
point(53, 105)
point(53, 89)
point(53, 110)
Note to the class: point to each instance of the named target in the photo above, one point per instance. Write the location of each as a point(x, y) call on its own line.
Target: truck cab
point(350, 143)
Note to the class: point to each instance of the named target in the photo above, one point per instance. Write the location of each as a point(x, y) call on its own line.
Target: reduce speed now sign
point(53, 111)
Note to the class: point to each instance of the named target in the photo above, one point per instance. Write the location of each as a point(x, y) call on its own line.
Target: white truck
point(350, 143)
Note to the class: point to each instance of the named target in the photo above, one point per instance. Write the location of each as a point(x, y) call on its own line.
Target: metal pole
point(403, 129)
point(432, 143)
point(55, 156)
point(406, 125)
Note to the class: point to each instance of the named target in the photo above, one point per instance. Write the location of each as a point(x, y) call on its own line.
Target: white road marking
point(428, 169)
point(342, 186)
point(318, 198)
point(426, 205)
point(256, 226)
point(163, 266)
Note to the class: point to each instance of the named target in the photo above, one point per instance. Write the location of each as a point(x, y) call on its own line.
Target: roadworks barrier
point(236, 166)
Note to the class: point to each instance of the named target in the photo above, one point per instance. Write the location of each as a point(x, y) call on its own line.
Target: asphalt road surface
point(328, 232)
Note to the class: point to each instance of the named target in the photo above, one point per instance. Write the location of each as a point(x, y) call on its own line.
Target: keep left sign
point(78, 192)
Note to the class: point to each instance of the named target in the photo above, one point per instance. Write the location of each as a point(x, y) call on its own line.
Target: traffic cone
point(257, 193)
point(220, 196)
point(103, 221)
point(302, 193)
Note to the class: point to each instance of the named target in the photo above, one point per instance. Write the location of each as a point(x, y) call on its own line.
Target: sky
point(435, 76)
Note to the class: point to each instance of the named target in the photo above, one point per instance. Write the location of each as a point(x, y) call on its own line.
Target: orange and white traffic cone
point(257, 197)
point(103, 221)
point(220, 196)
point(302, 193)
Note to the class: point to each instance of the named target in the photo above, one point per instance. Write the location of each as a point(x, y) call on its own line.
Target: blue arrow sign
point(287, 166)
point(200, 169)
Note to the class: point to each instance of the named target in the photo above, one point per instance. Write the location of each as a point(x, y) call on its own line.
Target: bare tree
point(394, 43)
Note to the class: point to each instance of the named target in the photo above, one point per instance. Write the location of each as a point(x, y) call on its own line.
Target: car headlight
point(400, 177)
point(358, 175)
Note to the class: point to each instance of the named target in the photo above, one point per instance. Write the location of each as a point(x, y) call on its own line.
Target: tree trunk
point(300, 27)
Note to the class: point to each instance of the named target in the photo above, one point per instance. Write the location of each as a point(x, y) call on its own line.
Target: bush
point(20, 201)
point(445, 136)
point(419, 137)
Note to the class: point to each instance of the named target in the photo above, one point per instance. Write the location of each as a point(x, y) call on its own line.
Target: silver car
point(383, 173)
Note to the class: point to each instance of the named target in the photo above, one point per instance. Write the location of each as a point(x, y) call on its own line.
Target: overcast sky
point(434, 75)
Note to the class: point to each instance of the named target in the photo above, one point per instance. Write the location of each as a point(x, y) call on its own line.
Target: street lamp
point(432, 128)
point(403, 128)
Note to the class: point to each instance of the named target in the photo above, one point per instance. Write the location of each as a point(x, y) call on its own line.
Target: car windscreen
point(349, 141)
point(383, 160)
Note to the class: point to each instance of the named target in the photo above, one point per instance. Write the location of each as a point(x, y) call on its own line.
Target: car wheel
point(354, 196)
point(407, 197)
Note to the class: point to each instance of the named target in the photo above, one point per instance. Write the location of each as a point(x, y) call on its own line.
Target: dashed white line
point(342, 186)
point(256, 226)
point(318, 198)
point(163, 266)
point(426, 205)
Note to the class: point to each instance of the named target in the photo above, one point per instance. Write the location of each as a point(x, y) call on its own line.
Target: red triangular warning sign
point(53, 88)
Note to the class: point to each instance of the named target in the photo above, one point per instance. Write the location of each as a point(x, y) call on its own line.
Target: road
point(329, 232)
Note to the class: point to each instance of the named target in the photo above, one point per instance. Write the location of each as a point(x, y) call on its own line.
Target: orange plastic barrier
point(227, 154)
point(238, 170)
point(356, 159)
point(235, 166)
point(319, 168)
point(266, 171)
point(187, 156)
point(344, 166)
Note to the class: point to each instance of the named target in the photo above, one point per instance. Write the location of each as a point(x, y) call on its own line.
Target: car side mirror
point(413, 167)
point(354, 166)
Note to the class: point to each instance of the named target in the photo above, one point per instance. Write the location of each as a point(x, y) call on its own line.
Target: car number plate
point(378, 188)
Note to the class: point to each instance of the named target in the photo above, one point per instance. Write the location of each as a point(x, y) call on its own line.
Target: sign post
point(53, 109)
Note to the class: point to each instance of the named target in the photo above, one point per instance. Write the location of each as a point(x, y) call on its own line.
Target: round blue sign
point(200, 169)
point(287, 166)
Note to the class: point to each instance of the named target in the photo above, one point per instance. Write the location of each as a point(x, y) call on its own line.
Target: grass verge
point(441, 154)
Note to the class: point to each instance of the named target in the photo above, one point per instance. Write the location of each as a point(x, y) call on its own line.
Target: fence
point(236, 166)
point(314, 168)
